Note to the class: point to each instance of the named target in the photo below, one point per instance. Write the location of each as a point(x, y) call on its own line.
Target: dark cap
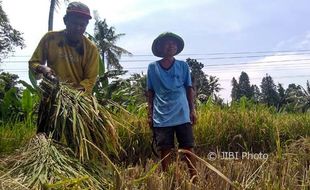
point(158, 42)
point(78, 8)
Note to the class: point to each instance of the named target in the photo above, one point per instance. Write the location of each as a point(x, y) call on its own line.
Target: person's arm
point(38, 59)
point(150, 104)
point(190, 94)
point(191, 104)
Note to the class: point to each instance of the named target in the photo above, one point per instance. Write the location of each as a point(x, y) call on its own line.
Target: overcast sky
point(277, 33)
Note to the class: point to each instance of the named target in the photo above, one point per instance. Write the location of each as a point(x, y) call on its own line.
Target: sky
point(228, 36)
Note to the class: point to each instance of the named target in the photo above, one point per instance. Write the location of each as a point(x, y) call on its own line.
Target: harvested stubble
point(75, 118)
point(43, 164)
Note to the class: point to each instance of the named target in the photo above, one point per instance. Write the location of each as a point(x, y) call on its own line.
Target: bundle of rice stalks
point(43, 164)
point(74, 117)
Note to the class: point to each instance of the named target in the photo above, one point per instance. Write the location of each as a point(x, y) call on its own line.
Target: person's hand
point(193, 117)
point(150, 121)
point(45, 70)
point(79, 87)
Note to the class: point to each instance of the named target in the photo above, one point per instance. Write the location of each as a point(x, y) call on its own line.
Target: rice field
point(238, 147)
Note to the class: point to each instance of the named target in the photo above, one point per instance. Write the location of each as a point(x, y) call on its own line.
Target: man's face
point(76, 26)
point(169, 48)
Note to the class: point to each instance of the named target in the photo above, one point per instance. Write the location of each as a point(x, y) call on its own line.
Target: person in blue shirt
point(171, 100)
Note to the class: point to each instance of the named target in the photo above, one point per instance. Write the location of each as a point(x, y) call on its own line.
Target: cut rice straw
point(209, 166)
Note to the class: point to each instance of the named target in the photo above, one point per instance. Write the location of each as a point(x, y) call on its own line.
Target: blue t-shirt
point(169, 85)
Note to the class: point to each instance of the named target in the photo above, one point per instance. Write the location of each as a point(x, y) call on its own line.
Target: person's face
point(169, 48)
point(76, 26)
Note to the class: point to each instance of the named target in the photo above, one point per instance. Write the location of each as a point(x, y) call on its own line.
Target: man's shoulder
point(53, 37)
point(180, 62)
point(89, 43)
point(54, 33)
point(152, 64)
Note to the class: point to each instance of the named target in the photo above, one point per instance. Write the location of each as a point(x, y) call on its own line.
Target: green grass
point(253, 129)
point(242, 128)
point(14, 135)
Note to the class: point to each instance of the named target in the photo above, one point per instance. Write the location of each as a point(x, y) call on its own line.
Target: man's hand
point(79, 87)
point(150, 121)
point(193, 117)
point(45, 70)
point(150, 97)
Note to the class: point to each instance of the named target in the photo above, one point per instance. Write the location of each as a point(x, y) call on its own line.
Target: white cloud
point(206, 25)
point(297, 42)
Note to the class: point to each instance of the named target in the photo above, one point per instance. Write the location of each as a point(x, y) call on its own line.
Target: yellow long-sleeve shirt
point(75, 65)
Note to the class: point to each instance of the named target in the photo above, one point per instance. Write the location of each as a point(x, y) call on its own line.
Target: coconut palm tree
point(300, 97)
point(105, 39)
point(53, 5)
point(304, 101)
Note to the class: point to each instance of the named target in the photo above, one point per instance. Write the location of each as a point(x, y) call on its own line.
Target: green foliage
point(244, 126)
point(9, 37)
point(131, 93)
point(27, 102)
point(282, 96)
point(247, 126)
point(205, 86)
point(103, 88)
point(16, 104)
point(243, 88)
point(235, 89)
point(294, 99)
point(137, 142)
point(269, 92)
point(128, 93)
point(105, 39)
point(14, 135)
point(10, 105)
point(299, 97)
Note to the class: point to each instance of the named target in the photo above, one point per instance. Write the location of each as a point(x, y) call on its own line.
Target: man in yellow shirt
point(68, 55)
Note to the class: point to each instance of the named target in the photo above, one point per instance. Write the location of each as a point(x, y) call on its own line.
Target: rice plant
point(73, 117)
point(43, 164)
point(14, 135)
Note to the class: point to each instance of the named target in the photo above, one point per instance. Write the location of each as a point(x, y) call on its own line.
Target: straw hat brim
point(157, 43)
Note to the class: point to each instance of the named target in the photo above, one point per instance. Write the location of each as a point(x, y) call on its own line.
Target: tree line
point(130, 92)
point(293, 98)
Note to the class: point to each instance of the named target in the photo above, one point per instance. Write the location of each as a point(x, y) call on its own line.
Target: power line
point(227, 53)
point(206, 69)
point(276, 77)
point(304, 64)
point(253, 56)
point(252, 52)
point(215, 53)
point(227, 66)
point(148, 61)
point(256, 62)
point(253, 69)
